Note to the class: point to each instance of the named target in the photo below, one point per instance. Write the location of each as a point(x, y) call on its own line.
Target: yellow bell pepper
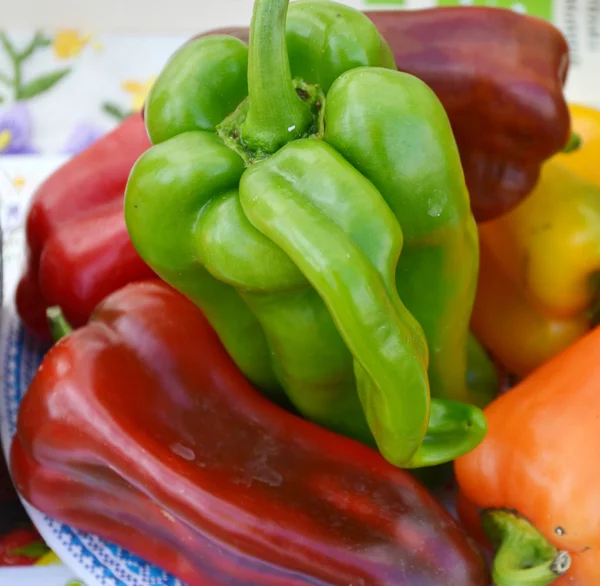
point(585, 161)
point(539, 281)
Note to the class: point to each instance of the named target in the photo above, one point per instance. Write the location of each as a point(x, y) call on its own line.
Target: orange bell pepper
point(533, 483)
point(539, 285)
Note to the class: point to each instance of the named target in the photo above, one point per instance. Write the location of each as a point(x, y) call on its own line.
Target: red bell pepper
point(500, 76)
point(21, 547)
point(78, 247)
point(139, 428)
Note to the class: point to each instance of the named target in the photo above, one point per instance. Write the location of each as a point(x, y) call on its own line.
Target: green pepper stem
point(454, 429)
point(574, 143)
point(59, 326)
point(524, 556)
point(276, 113)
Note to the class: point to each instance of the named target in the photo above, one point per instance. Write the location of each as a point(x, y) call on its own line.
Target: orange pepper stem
point(59, 326)
point(524, 557)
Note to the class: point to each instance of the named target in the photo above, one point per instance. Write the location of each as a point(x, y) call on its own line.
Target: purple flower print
point(15, 131)
point(82, 136)
point(12, 216)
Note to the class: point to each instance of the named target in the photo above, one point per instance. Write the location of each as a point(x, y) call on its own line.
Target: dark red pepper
point(139, 428)
point(21, 547)
point(500, 77)
point(78, 247)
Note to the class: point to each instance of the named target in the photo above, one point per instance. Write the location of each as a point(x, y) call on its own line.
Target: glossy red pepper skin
point(163, 447)
point(500, 76)
point(78, 247)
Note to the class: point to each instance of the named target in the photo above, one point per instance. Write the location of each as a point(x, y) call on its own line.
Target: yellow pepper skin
point(585, 161)
point(539, 281)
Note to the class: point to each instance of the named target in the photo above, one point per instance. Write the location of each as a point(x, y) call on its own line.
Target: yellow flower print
point(69, 43)
point(19, 182)
point(138, 91)
point(5, 139)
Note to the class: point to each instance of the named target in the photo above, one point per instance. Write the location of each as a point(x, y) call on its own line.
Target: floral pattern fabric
point(60, 91)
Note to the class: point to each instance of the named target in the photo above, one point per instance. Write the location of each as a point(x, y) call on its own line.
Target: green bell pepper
point(399, 138)
point(253, 208)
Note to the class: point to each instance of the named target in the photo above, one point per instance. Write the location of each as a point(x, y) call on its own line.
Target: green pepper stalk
point(276, 113)
point(285, 245)
point(524, 557)
point(574, 143)
point(59, 326)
